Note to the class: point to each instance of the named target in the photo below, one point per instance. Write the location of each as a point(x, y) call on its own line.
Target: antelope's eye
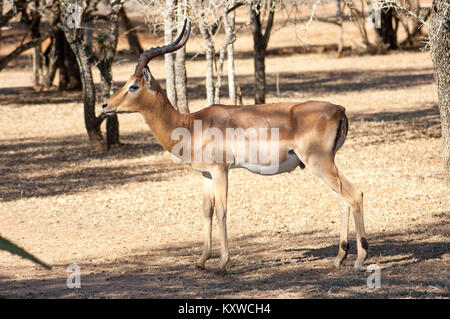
point(133, 88)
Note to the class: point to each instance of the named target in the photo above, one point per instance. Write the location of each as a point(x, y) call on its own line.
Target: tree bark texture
point(260, 42)
point(169, 58)
point(440, 54)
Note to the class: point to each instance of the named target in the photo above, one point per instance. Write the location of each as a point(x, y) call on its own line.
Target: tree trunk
point(260, 42)
point(92, 122)
point(359, 20)
point(440, 54)
point(209, 70)
point(181, 80)
point(69, 72)
point(133, 40)
point(38, 77)
point(209, 55)
point(338, 8)
point(34, 24)
point(223, 50)
point(229, 30)
point(105, 65)
point(112, 122)
point(386, 35)
point(168, 58)
point(229, 25)
point(259, 56)
point(37, 55)
point(1, 18)
point(180, 66)
point(51, 60)
point(340, 23)
point(218, 84)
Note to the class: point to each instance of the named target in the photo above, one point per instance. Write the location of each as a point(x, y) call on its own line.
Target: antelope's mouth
point(115, 112)
point(110, 113)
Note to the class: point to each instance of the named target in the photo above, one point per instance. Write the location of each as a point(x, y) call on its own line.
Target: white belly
point(291, 162)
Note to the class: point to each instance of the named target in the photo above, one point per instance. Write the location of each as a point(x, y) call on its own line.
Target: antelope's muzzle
point(106, 110)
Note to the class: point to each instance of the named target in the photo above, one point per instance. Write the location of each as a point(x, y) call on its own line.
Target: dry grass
point(131, 218)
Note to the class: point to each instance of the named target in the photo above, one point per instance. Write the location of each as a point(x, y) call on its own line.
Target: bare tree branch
point(22, 48)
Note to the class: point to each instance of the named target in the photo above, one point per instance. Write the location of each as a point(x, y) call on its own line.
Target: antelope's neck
point(163, 119)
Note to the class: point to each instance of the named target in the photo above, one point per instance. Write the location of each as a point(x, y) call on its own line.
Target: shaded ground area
point(396, 126)
point(412, 265)
point(49, 167)
point(131, 219)
point(341, 82)
point(274, 264)
point(291, 84)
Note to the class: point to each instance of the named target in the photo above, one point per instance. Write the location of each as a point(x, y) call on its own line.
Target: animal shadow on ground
point(409, 261)
point(63, 165)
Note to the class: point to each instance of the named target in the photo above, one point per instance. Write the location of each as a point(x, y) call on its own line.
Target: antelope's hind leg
point(328, 172)
point(354, 198)
point(208, 211)
point(343, 234)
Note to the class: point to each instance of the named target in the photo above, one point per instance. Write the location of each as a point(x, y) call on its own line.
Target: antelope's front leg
point(208, 210)
point(220, 181)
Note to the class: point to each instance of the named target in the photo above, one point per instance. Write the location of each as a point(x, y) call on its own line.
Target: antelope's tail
point(341, 133)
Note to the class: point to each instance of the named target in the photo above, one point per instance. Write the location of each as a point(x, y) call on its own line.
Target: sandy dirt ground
point(131, 218)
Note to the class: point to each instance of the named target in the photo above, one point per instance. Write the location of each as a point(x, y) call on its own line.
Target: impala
point(308, 135)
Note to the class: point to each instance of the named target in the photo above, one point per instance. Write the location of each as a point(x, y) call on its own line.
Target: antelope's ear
point(147, 76)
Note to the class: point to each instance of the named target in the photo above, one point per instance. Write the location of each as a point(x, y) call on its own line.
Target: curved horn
point(180, 36)
point(147, 55)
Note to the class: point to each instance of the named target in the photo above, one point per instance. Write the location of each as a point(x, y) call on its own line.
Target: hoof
point(221, 272)
point(358, 268)
point(200, 266)
point(343, 251)
point(338, 263)
point(359, 264)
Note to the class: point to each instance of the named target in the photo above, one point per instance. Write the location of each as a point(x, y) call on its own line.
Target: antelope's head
point(141, 88)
